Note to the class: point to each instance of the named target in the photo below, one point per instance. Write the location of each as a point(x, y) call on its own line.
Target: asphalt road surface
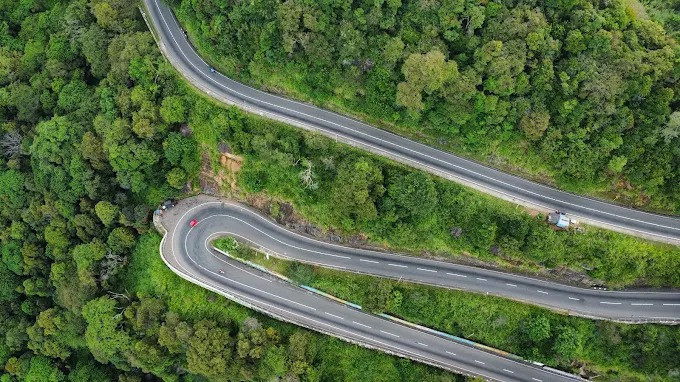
point(187, 251)
point(232, 219)
point(184, 58)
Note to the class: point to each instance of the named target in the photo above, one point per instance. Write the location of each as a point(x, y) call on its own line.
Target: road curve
point(187, 251)
point(230, 218)
point(183, 57)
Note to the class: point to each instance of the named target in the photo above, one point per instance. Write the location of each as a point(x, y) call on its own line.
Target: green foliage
point(12, 190)
point(9, 282)
point(356, 188)
point(120, 240)
point(55, 333)
point(209, 350)
point(173, 109)
point(538, 329)
point(42, 369)
point(227, 244)
point(177, 178)
point(579, 92)
point(102, 336)
point(107, 212)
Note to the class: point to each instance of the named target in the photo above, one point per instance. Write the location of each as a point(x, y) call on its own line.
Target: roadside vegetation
point(606, 350)
point(581, 93)
point(249, 346)
point(96, 129)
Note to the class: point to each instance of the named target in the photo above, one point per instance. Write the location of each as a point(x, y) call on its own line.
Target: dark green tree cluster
point(583, 88)
point(88, 110)
point(93, 135)
point(144, 334)
point(665, 11)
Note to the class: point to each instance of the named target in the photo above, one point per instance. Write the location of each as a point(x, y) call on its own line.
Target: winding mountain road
point(185, 59)
point(188, 252)
point(233, 219)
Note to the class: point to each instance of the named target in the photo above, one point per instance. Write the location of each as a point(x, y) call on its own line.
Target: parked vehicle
point(166, 205)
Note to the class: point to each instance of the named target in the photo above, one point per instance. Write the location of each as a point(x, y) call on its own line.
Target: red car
point(193, 222)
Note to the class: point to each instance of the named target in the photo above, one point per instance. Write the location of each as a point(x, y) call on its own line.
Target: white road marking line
point(333, 315)
point(480, 279)
point(232, 265)
point(508, 371)
point(537, 380)
point(480, 362)
point(455, 274)
point(369, 261)
point(541, 291)
point(635, 304)
point(391, 334)
point(448, 352)
point(671, 304)
point(397, 265)
point(360, 324)
point(511, 285)
point(420, 343)
point(426, 270)
point(610, 303)
point(574, 298)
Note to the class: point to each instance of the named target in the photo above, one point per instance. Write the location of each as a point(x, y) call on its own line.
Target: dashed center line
point(537, 380)
point(610, 303)
point(369, 261)
point(333, 315)
point(480, 362)
point(542, 291)
point(574, 298)
point(508, 371)
point(455, 274)
point(448, 352)
point(635, 304)
point(511, 285)
point(360, 324)
point(422, 344)
point(671, 304)
point(391, 334)
point(426, 270)
point(480, 279)
point(397, 265)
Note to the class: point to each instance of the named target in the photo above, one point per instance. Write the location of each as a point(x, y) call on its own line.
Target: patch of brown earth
point(213, 181)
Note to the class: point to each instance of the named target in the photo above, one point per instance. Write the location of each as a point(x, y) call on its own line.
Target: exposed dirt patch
point(232, 163)
point(213, 181)
point(209, 181)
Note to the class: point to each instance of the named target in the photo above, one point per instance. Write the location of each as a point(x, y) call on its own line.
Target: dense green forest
point(89, 117)
point(667, 12)
point(584, 93)
point(96, 129)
